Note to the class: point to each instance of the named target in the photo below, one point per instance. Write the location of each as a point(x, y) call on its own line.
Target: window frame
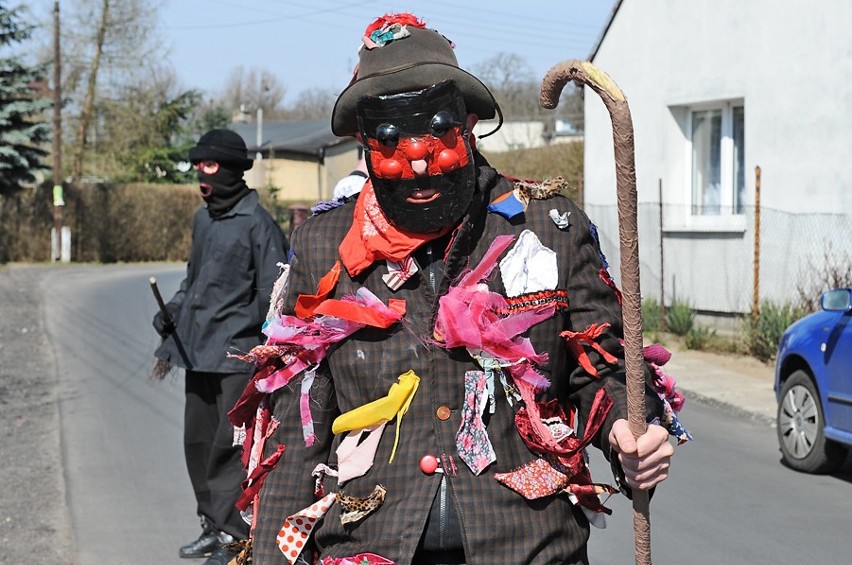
point(731, 214)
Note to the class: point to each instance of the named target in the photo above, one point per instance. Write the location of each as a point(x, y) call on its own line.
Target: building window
point(718, 176)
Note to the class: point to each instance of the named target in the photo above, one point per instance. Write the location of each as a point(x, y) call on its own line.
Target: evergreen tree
point(23, 129)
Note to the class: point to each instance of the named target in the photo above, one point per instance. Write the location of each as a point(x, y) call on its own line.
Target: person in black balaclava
point(220, 161)
point(219, 309)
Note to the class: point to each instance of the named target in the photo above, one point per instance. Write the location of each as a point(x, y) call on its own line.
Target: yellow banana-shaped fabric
point(384, 409)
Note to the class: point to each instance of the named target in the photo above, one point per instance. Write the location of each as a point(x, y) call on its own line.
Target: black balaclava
point(223, 189)
point(419, 157)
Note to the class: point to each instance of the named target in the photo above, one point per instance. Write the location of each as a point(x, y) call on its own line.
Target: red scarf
point(372, 237)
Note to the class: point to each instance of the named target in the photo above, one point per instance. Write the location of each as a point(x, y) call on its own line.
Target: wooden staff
point(585, 73)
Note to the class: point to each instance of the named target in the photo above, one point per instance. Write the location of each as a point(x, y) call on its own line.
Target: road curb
point(728, 407)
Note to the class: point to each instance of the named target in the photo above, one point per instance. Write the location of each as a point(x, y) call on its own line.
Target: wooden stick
point(159, 372)
point(585, 73)
point(159, 298)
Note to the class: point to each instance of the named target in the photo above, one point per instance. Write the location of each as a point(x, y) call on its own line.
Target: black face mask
point(419, 157)
point(222, 190)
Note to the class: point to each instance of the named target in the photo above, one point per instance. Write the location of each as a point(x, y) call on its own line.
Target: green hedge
point(109, 223)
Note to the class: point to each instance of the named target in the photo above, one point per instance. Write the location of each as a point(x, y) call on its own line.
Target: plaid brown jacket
point(497, 525)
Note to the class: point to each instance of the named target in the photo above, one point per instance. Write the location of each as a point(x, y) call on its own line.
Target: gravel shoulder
point(34, 520)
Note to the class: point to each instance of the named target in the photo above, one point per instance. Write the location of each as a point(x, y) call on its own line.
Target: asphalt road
point(128, 492)
point(729, 498)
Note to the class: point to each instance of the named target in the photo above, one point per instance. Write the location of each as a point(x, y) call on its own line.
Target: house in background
point(718, 88)
point(302, 159)
point(524, 134)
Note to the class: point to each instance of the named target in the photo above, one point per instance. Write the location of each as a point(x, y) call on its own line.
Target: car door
point(838, 364)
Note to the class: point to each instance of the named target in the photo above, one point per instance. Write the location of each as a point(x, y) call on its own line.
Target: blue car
point(813, 386)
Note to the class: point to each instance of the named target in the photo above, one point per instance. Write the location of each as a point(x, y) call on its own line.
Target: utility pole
point(58, 201)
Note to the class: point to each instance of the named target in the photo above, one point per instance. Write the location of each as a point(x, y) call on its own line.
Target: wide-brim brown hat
point(420, 60)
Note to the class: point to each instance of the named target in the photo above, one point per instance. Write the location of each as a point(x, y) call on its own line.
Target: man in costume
point(219, 308)
point(449, 344)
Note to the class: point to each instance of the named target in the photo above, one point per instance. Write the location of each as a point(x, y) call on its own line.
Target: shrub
point(833, 270)
point(557, 160)
point(763, 332)
point(680, 318)
point(699, 338)
point(651, 315)
point(109, 222)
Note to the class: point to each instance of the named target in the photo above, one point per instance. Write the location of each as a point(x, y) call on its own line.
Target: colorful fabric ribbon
point(359, 559)
point(294, 533)
point(353, 508)
point(472, 441)
point(471, 316)
point(399, 272)
point(576, 340)
point(307, 303)
point(561, 464)
point(297, 528)
point(385, 409)
point(355, 456)
point(656, 355)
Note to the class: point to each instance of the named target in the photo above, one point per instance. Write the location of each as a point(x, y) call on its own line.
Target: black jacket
point(224, 298)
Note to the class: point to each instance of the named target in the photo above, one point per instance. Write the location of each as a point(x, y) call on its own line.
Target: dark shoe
point(221, 556)
point(204, 546)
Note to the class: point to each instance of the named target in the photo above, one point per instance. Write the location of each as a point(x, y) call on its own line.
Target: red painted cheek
point(448, 161)
point(390, 169)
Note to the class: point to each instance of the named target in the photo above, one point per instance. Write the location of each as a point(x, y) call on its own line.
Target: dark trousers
point(212, 459)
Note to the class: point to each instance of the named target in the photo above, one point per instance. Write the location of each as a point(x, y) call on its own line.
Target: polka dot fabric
point(297, 528)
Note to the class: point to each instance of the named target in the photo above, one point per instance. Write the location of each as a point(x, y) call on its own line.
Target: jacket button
point(429, 464)
point(443, 413)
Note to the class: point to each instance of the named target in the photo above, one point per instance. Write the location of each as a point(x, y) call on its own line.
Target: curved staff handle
point(584, 72)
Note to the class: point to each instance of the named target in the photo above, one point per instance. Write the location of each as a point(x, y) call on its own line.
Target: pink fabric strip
point(356, 457)
point(305, 407)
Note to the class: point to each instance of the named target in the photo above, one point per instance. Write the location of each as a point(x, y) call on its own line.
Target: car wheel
point(800, 424)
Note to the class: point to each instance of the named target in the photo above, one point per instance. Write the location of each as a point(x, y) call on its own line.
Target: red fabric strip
point(361, 314)
point(306, 304)
point(576, 340)
point(372, 237)
point(251, 486)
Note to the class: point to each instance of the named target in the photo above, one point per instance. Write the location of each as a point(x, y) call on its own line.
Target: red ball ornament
point(416, 150)
point(448, 161)
point(390, 169)
point(429, 464)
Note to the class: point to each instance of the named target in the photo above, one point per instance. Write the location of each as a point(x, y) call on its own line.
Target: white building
point(717, 88)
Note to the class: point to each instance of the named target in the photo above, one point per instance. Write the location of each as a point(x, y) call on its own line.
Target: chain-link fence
point(714, 268)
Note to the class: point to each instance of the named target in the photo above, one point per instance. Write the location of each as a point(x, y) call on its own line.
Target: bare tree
point(312, 104)
point(514, 86)
point(108, 44)
point(246, 90)
point(89, 102)
point(516, 89)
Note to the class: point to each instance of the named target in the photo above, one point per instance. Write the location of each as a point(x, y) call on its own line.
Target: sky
point(314, 43)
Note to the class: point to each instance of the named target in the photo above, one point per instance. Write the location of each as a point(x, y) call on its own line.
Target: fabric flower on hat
point(389, 28)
